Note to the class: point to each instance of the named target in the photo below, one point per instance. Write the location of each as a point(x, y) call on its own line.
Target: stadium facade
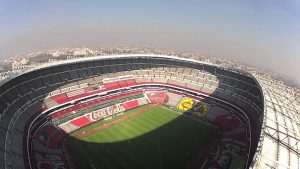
point(254, 114)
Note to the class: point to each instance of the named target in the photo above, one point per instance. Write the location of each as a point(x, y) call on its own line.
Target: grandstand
point(42, 105)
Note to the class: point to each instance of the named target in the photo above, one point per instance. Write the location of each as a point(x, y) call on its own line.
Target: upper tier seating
point(28, 93)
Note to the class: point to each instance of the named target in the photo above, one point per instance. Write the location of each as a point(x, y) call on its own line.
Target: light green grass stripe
point(96, 124)
point(134, 127)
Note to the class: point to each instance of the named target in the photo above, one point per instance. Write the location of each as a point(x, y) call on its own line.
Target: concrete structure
point(22, 101)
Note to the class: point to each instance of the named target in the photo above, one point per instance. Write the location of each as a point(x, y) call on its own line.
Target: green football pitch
point(157, 139)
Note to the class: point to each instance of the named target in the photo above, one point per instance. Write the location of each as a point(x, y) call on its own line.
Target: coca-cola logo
point(105, 112)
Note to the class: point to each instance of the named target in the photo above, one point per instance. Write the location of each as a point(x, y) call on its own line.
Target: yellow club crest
point(186, 104)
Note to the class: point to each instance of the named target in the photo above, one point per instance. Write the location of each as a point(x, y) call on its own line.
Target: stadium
point(146, 111)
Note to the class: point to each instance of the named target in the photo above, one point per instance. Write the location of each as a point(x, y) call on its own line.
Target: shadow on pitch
point(168, 146)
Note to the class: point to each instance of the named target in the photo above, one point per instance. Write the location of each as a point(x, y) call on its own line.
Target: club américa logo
point(197, 108)
point(186, 104)
point(200, 109)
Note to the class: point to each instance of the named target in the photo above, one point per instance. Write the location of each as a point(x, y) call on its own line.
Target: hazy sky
point(261, 32)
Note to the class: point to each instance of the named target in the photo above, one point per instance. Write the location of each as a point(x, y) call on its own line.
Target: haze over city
point(263, 33)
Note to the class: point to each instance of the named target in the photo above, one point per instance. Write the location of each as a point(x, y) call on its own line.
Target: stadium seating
point(45, 89)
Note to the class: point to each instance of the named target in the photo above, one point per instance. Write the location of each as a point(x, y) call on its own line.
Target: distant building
point(23, 64)
point(52, 60)
point(73, 57)
point(22, 67)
